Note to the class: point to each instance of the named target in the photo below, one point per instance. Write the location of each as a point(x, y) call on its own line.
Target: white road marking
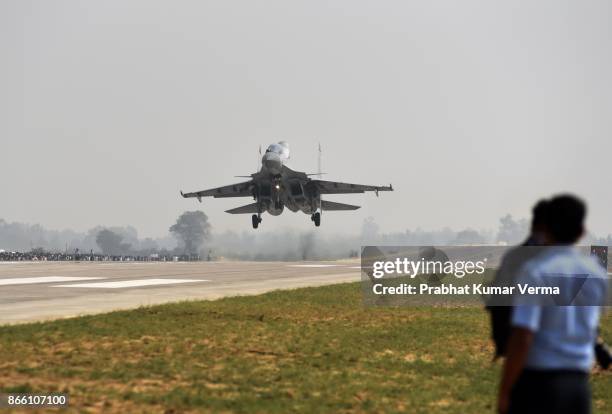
point(22, 262)
point(43, 279)
point(132, 283)
point(127, 263)
point(314, 265)
point(25, 262)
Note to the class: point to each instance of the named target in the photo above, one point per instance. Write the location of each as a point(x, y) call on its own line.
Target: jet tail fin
point(248, 209)
point(330, 205)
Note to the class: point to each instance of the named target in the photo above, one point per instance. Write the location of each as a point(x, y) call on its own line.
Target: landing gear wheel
point(256, 220)
point(316, 217)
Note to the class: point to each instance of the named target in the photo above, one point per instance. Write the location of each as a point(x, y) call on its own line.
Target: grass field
point(306, 350)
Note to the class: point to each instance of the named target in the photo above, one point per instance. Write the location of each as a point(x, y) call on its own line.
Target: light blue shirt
point(564, 335)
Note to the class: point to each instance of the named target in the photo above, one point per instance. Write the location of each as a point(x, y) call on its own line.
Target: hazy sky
point(472, 109)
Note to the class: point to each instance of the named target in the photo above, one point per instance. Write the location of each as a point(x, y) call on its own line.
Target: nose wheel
point(256, 220)
point(316, 217)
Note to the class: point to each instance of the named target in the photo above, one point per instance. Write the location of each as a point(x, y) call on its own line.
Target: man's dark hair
point(539, 215)
point(565, 221)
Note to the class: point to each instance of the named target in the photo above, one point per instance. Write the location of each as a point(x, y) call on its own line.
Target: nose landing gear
point(256, 219)
point(316, 217)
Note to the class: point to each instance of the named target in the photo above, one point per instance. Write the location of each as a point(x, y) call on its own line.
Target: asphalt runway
point(35, 291)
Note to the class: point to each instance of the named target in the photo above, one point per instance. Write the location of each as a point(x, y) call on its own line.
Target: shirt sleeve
point(527, 316)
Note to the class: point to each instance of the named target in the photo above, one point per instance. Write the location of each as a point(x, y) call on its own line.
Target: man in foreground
point(500, 308)
point(550, 351)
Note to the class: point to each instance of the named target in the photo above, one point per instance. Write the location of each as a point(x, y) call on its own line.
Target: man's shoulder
point(594, 267)
point(567, 260)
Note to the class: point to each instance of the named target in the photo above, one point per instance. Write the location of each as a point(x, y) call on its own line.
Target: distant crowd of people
point(6, 256)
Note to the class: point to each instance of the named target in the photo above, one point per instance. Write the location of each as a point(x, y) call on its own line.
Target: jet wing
point(331, 205)
point(235, 190)
point(249, 208)
point(333, 187)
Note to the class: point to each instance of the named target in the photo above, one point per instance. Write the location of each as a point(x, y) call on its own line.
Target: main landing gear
point(316, 217)
point(256, 220)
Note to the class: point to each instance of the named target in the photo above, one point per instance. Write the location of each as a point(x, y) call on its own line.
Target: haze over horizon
point(471, 110)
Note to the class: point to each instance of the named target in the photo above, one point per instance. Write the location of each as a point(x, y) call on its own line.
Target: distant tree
point(149, 244)
point(512, 231)
point(192, 229)
point(369, 230)
point(306, 245)
point(111, 243)
point(469, 236)
point(38, 251)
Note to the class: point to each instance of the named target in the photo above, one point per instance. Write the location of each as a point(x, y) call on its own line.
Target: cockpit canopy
point(282, 149)
point(275, 148)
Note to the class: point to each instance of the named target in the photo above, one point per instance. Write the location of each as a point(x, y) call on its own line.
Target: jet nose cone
point(272, 162)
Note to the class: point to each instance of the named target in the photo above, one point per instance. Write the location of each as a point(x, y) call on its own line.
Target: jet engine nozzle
point(272, 162)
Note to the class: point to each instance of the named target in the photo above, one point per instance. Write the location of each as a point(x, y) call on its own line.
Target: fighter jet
point(276, 186)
